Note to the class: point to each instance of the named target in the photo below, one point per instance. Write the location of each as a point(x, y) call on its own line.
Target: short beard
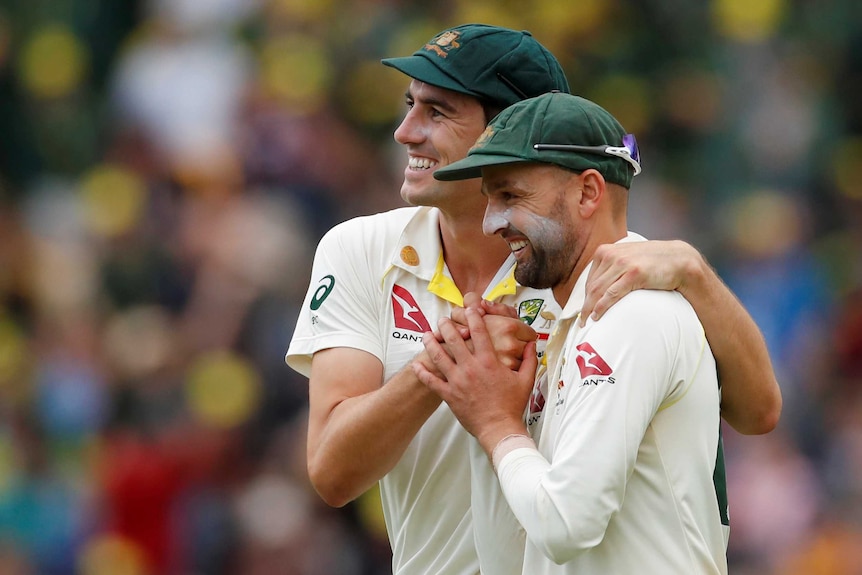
point(552, 263)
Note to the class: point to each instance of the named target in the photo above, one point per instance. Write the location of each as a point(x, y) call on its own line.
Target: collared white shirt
point(624, 478)
point(378, 282)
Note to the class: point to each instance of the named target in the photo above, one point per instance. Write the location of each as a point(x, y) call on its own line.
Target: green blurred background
point(167, 167)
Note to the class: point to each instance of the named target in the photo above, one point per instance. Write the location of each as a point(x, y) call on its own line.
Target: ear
point(593, 192)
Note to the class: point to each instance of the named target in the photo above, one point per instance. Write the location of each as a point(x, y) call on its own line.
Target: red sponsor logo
point(590, 362)
point(537, 400)
point(407, 313)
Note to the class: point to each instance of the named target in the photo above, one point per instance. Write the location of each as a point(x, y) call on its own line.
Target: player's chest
point(408, 309)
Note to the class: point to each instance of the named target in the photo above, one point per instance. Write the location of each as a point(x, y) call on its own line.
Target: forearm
point(363, 437)
point(751, 397)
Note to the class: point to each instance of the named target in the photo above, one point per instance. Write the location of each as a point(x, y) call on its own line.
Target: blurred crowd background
point(167, 167)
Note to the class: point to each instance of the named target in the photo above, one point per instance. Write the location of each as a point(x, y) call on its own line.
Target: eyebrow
point(443, 104)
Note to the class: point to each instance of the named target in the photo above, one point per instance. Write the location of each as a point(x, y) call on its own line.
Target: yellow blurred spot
point(748, 20)
point(8, 463)
point(845, 167)
point(627, 98)
point(13, 350)
point(296, 70)
point(302, 10)
point(766, 224)
point(53, 62)
point(15, 362)
point(223, 389)
point(370, 509)
point(555, 19)
point(114, 199)
point(376, 93)
point(112, 555)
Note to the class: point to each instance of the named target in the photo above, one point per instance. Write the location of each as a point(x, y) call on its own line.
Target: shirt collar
point(420, 252)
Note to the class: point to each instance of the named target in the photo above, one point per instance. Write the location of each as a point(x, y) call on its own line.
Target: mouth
point(415, 163)
point(517, 246)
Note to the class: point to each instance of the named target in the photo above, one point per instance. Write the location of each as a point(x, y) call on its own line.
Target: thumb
point(529, 361)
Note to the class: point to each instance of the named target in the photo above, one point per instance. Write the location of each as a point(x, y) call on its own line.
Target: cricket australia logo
point(483, 138)
point(444, 43)
point(406, 311)
point(528, 310)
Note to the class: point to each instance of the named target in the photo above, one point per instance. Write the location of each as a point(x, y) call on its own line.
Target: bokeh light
point(627, 97)
point(114, 199)
point(748, 20)
point(15, 359)
point(223, 389)
point(297, 71)
point(847, 158)
point(112, 555)
point(53, 62)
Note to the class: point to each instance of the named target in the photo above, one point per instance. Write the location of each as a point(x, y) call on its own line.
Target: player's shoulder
point(372, 232)
point(653, 310)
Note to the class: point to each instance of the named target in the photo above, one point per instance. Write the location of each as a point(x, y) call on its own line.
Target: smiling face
point(439, 128)
point(533, 207)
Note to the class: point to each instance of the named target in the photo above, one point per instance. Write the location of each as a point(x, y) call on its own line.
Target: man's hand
point(508, 333)
point(620, 268)
point(487, 397)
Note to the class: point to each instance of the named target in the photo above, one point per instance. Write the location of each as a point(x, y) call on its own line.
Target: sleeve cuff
point(509, 444)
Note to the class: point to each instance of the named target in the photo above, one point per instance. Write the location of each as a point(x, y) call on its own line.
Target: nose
point(409, 132)
point(494, 221)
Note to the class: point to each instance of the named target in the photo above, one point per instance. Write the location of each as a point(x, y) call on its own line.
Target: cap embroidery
point(483, 138)
point(444, 43)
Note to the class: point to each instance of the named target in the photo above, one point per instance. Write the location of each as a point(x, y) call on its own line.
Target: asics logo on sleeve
point(406, 311)
point(590, 362)
point(322, 292)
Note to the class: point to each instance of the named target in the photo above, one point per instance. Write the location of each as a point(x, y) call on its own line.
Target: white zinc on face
point(528, 205)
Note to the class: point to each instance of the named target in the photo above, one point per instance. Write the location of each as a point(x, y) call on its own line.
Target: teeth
point(420, 163)
point(515, 246)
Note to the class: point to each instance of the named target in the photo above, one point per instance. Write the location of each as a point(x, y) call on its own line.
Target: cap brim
point(422, 69)
point(471, 166)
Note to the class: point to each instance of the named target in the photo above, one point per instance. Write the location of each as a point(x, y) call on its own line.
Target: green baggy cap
point(562, 129)
point(497, 64)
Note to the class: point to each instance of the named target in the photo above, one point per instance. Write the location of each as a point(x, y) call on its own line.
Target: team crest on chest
point(528, 310)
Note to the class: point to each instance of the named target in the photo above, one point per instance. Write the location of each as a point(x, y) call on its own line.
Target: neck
point(606, 235)
point(472, 257)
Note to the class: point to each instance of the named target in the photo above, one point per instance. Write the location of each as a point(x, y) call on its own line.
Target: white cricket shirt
point(378, 282)
point(628, 442)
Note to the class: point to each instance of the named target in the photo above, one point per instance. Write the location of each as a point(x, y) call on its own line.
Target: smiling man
point(625, 474)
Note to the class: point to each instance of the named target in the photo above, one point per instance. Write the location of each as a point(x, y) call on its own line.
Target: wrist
point(508, 444)
point(696, 272)
point(491, 438)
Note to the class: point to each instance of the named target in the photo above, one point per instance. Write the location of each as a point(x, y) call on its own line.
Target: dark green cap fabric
point(548, 119)
point(497, 64)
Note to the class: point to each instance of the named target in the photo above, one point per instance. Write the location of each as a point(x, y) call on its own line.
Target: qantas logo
point(590, 362)
point(407, 313)
point(537, 402)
